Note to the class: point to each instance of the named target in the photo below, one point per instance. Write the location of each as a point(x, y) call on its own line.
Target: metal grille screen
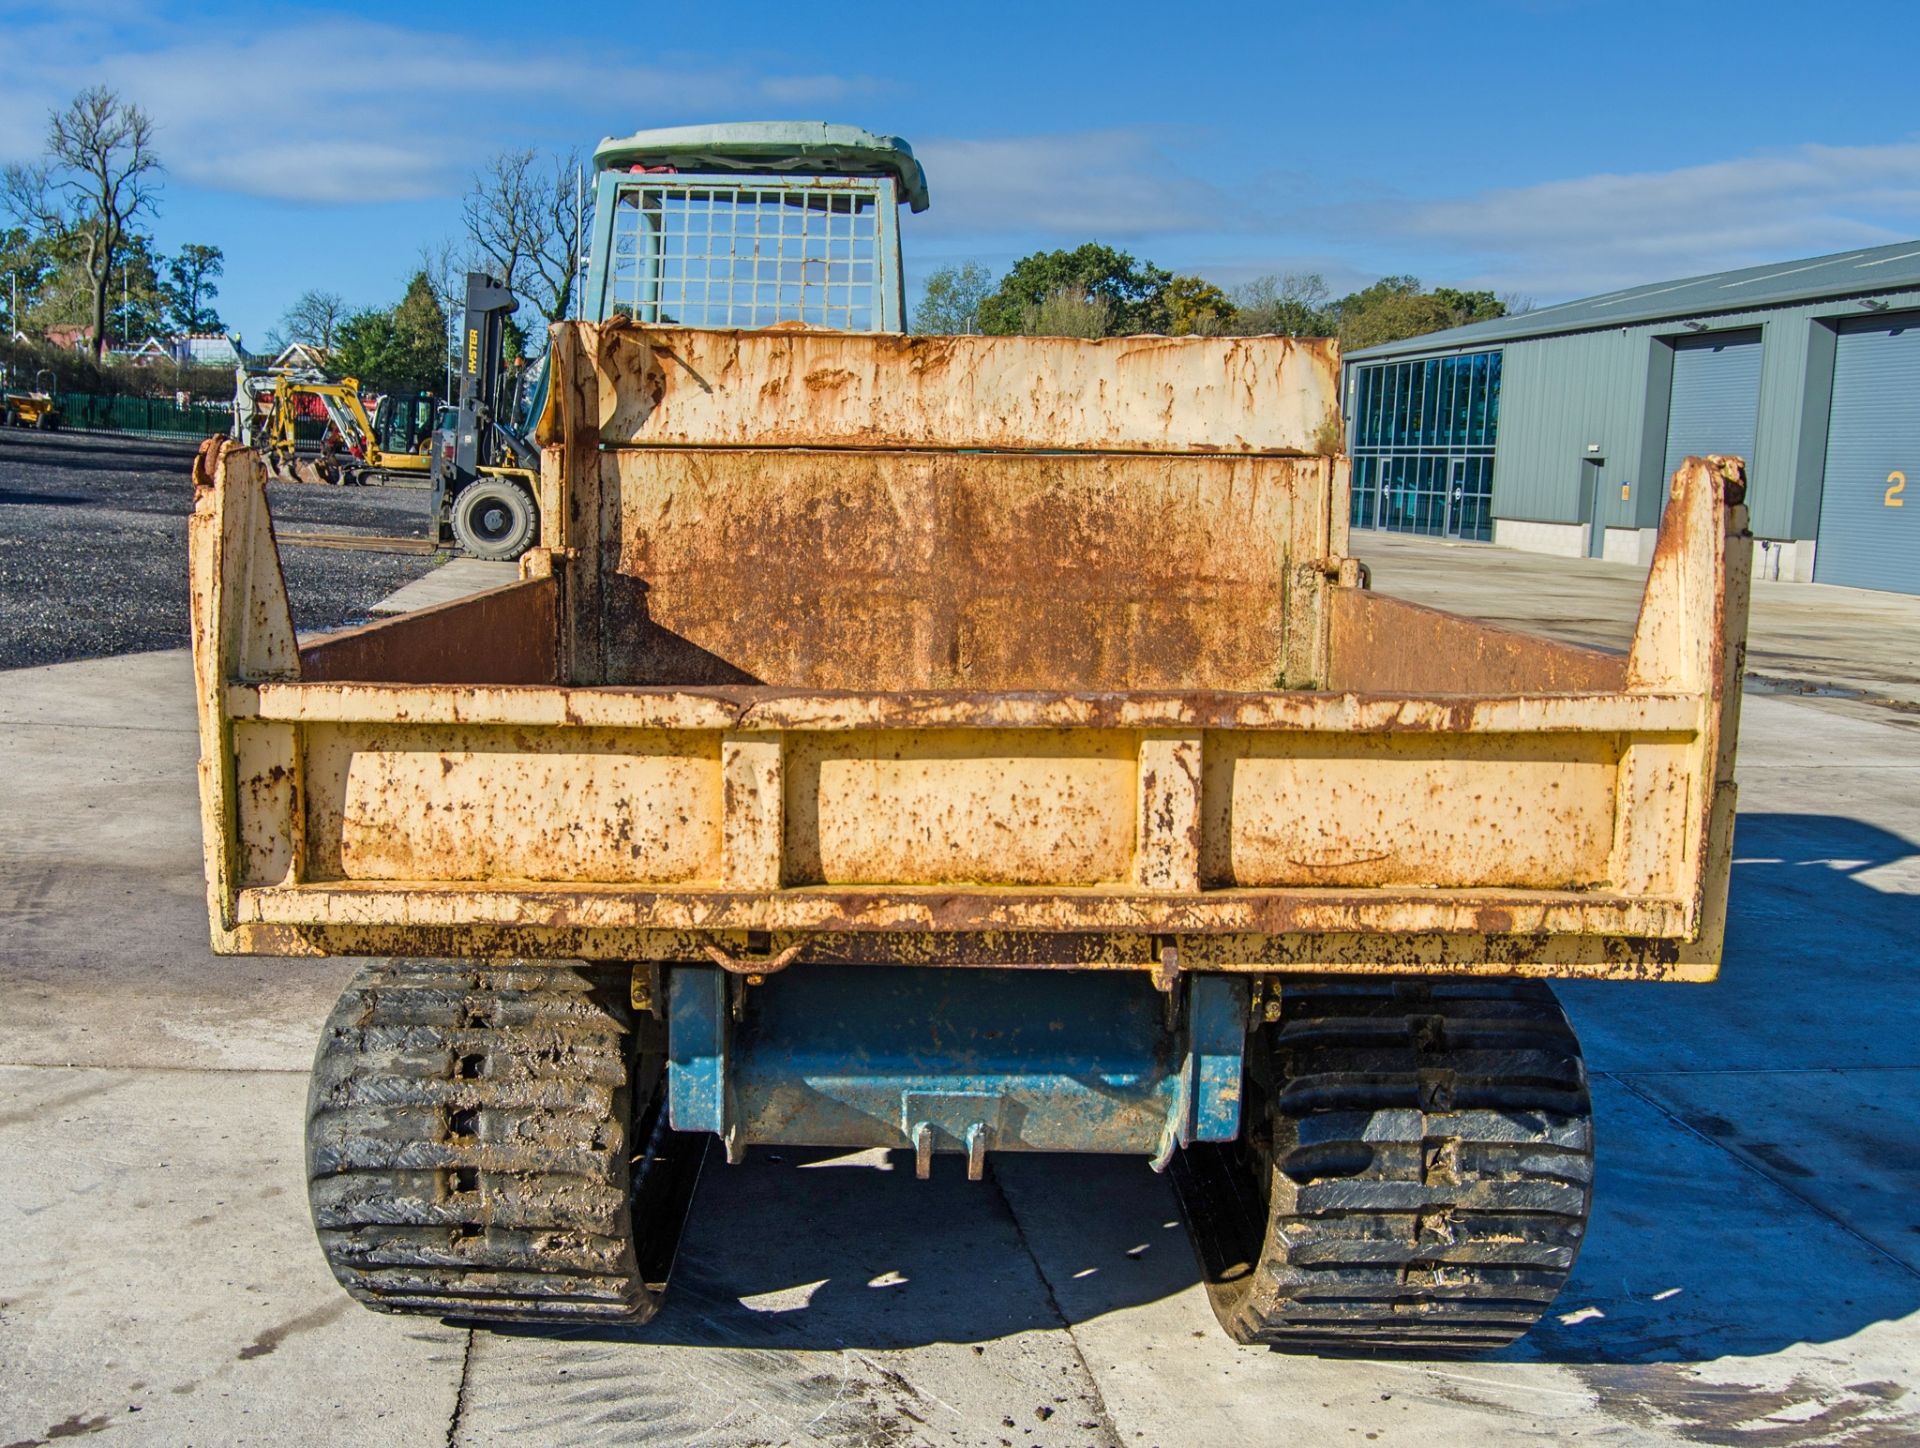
point(750, 255)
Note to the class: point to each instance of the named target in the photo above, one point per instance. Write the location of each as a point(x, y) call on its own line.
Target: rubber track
point(1430, 1171)
point(469, 1151)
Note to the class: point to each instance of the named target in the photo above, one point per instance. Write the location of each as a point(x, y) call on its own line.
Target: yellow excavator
point(395, 443)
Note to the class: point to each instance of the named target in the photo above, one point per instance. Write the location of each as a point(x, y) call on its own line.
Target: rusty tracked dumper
point(961, 745)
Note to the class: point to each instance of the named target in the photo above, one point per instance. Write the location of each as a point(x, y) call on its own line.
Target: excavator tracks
point(490, 1141)
point(1413, 1175)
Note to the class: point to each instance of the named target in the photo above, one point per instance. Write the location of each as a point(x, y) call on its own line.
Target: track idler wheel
point(488, 1141)
point(1414, 1171)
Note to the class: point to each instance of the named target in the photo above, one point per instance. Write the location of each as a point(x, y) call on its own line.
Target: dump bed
point(996, 651)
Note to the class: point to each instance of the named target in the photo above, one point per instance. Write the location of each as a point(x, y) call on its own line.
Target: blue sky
point(1553, 148)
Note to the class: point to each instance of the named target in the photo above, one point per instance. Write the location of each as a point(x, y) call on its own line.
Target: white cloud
point(1597, 233)
point(317, 107)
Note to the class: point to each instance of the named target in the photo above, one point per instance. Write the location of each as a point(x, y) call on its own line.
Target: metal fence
point(89, 413)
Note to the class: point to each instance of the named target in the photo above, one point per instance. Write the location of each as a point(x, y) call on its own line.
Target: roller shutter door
point(1870, 516)
point(1716, 399)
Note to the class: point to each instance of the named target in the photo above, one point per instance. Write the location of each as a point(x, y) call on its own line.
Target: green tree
point(29, 261)
point(398, 350)
point(137, 300)
point(1196, 307)
point(1470, 306)
point(1396, 307)
point(189, 288)
point(1068, 312)
point(950, 305)
point(64, 293)
point(1134, 291)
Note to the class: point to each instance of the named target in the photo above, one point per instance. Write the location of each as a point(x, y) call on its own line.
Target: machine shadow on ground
point(823, 1250)
point(1701, 1247)
point(1726, 1223)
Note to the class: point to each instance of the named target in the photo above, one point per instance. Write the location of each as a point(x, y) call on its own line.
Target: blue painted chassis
point(955, 1059)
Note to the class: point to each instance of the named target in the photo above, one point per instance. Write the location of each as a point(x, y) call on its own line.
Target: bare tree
point(1291, 304)
point(446, 264)
point(314, 317)
point(100, 173)
point(521, 215)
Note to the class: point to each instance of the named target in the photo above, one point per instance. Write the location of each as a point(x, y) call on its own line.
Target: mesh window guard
point(713, 254)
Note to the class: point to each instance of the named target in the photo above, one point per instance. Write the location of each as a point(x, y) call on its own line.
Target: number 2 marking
point(1896, 482)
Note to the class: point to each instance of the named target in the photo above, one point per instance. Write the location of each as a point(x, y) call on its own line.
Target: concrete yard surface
point(1751, 1276)
point(1754, 1265)
point(1847, 644)
point(456, 579)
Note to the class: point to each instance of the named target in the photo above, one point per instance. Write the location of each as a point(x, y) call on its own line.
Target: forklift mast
point(482, 346)
point(478, 439)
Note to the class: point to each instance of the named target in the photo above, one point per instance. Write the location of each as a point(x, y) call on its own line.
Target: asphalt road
point(93, 546)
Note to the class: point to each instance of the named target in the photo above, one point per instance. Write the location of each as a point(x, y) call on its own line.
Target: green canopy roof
point(807, 148)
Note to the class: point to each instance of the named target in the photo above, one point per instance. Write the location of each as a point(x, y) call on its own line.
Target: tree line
point(76, 251)
point(77, 246)
point(1095, 290)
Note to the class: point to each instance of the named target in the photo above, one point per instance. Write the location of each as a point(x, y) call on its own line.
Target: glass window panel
point(1493, 397)
point(1421, 430)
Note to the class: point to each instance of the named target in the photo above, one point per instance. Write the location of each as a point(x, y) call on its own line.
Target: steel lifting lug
point(923, 1149)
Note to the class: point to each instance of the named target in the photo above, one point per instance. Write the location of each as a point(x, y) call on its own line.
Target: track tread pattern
point(1424, 1179)
point(468, 1146)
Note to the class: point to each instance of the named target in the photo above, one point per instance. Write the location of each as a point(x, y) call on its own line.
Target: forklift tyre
point(495, 518)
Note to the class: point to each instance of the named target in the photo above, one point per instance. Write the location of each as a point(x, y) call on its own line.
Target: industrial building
point(1555, 430)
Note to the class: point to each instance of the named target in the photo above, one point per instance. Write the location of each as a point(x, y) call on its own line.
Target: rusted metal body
point(963, 651)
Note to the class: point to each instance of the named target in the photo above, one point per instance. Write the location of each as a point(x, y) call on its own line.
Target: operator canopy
point(807, 148)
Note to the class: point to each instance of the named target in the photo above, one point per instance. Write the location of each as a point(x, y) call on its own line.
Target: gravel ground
point(93, 546)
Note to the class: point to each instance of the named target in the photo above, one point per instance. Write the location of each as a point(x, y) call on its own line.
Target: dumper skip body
point(967, 745)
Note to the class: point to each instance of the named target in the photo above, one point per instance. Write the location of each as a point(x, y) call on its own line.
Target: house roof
point(1893, 268)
